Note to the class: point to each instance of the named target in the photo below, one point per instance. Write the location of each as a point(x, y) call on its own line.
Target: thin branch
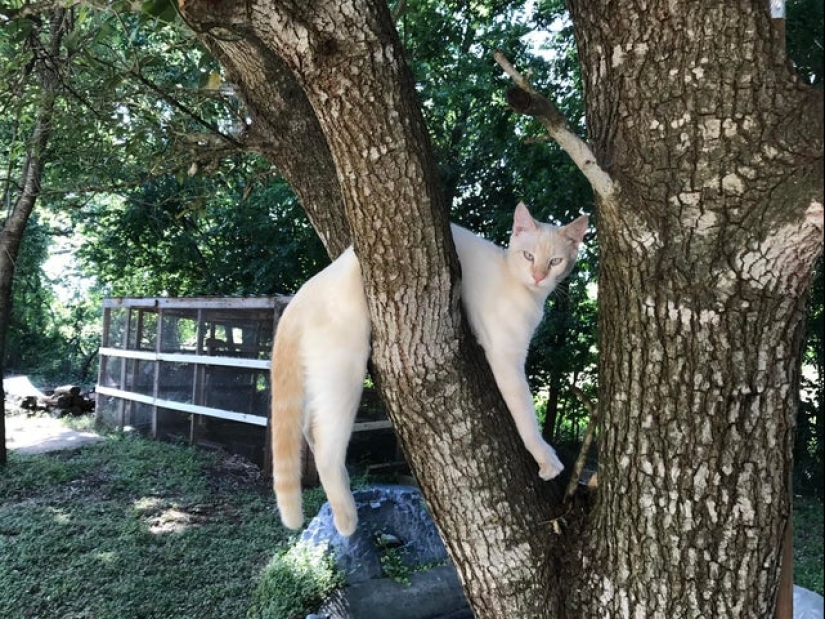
point(399, 10)
point(163, 95)
point(578, 467)
point(186, 110)
point(510, 70)
point(525, 100)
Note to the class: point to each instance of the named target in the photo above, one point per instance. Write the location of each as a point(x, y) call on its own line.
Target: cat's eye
point(556, 261)
point(528, 256)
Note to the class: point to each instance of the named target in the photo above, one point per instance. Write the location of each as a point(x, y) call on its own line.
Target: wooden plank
point(368, 426)
point(183, 407)
point(148, 355)
point(268, 302)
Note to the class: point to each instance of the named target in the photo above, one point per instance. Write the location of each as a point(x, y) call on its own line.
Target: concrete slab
point(807, 604)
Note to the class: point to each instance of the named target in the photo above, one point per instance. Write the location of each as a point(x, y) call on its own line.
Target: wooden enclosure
point(190, 368)
point(197, 370)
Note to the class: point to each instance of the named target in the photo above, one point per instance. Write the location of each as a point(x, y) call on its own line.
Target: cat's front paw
point(549, 465)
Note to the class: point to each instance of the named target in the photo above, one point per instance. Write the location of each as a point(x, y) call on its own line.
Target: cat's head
point(541, 255)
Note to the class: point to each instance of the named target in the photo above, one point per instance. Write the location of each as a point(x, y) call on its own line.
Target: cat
point(322, 345)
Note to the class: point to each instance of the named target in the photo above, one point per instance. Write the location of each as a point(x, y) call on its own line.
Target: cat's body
point(323, 341)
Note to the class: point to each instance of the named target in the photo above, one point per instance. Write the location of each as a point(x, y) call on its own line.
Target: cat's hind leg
point(335, 389)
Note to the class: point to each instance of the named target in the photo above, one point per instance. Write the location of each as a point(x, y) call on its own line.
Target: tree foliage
point(804, 30)
point(33, 328)
point(147, 171)
point(205, 236)
point(809, 446)
point(146, 160)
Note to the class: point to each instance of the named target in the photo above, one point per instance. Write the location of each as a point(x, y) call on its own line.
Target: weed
point(295, 583)
point(394, 565)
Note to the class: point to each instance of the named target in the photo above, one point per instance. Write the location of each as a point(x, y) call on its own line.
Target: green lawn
point(133, 529)
point(808, 543)
point(138, 529)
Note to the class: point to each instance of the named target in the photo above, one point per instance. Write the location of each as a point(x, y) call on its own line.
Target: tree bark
point(47, 68)
point(705, 257)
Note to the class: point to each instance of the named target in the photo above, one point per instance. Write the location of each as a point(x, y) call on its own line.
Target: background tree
point(76, 85)
point(804, 30)
point(809, 446)
point(136, 100)
point(41, 44)
point(32, 328)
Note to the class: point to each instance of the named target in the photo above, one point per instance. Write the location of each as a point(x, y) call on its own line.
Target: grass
point(808, 543)
point(136, 529)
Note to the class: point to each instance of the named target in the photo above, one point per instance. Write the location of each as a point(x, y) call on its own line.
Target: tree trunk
point(46, 70)
point(707, 239)
point(706, 256)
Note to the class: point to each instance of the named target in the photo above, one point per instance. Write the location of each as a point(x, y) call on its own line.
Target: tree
point(714, 239)
point(76, 93)
point(21, 192)
point(710, 205)
point(31, 328)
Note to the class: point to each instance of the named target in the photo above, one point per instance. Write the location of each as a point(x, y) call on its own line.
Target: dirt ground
point(40, 434)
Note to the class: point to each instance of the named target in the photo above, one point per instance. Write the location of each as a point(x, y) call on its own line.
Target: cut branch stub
point(520, 101)
point(535, 105)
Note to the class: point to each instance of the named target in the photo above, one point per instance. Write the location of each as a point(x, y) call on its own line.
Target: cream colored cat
point(322, 344)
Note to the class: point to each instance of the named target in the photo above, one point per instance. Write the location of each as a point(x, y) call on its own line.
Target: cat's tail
point(287, 387)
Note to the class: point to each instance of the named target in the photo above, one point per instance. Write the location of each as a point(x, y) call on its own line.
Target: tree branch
point(525, 100)
point(285, 128)
point(578, 467)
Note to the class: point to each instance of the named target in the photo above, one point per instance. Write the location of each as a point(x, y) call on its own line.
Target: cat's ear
point(523, 221)
point(575, 231)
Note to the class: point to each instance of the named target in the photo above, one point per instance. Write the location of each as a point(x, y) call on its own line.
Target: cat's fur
point(322, 345)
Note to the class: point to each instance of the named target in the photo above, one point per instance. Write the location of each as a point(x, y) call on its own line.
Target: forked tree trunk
point(712, 156)
point(480, 484)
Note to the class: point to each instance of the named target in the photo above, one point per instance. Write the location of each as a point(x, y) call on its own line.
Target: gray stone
point(431, 594)
point(392, 517)
point(807, 604)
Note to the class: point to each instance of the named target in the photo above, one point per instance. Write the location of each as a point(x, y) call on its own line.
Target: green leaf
point(164, 11)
